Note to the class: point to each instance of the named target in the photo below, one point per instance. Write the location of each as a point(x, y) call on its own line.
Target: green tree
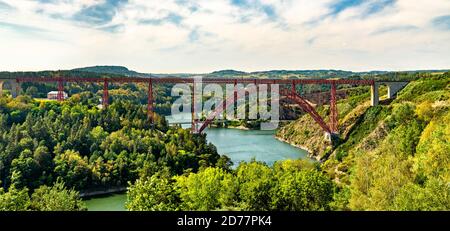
point(433, 196)
point(302, 190)
point(27, 168)
point(56, 198)
point(255, 182)
point(155, 193)
point(432, 158)
point(73, 169)
point(14, 199)
point(211, 188)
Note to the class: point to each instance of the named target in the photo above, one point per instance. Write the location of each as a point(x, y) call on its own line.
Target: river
point(243, 145)
point(239, 145)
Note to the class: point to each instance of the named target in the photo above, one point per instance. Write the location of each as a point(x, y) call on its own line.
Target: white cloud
point(207, 35)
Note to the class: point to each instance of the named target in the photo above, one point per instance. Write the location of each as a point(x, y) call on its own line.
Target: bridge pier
point(150, 101)
point(15, 87)
point(374, 94)
point(394, 88)
point(331, 137)
point(105, 99)
point(60, 95)
point(333, 110)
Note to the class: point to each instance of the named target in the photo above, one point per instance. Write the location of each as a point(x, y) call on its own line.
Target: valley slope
point(393, 156)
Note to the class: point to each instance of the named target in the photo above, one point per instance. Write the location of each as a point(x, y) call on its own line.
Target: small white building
point(54, 95)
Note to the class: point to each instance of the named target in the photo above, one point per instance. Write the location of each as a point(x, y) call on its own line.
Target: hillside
point(110, 70)
point(282, 74)
point(116, 70)
point(389, 157)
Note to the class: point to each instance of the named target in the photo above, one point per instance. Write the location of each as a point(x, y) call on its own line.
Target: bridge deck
point(192, 80)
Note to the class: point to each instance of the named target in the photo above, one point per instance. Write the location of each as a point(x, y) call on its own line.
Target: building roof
point(54, 92)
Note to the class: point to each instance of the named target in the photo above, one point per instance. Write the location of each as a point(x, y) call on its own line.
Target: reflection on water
point(243, 145)
point(109, 202)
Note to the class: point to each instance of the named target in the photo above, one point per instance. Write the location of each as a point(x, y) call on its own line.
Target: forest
point(74, 145)
point(394, 156)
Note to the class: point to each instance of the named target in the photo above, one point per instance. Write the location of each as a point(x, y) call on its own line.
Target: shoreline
point(240, 127)
point(310, 153)
point(94, 193)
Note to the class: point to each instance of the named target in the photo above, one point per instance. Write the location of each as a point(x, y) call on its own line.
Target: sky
point(201, 36)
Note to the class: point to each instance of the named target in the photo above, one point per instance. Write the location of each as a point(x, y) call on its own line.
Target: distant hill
point(230, 73)
point(120, 70)
point(282, 74)
point(227, 72)
point(308, 73)
point(116, 70)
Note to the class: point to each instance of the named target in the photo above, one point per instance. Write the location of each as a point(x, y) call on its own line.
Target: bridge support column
point(150, 101)
point(257, 98)
point(194, 122)
point(293, 88)
point(235, 93)
point(374, 95)
point(105, 99)
point(60, 95)
point(333, 110)
point(393, 88)
point(15, 88)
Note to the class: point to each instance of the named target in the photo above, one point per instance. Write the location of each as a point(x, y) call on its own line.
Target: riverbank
point(310, 153)
point(240, 127)
point(108, 202)
point(98, 192)
point(242, 144)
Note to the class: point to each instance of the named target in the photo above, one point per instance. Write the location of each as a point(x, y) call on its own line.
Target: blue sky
point(206, 35)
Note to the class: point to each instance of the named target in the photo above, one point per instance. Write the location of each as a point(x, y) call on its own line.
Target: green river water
point(239, 145)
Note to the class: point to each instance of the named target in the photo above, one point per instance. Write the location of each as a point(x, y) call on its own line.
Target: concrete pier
point(15, 87)
point(374, 95)
point(394, 87)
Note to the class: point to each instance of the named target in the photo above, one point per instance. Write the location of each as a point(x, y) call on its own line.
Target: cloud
point(4, 6)
point(340, 5)
point(169, 18)
point(194, 35)
point(22, 28)
point(368, 8)
point(101, 13)
point(353, 9)
point(267, 10)
point(377, 6)
point(113, 28)
point(207, 35)
point(442, 22)
point(390, 29)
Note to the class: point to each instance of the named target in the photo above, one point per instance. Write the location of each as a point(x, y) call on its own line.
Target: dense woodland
point(78, 146)
point(391, 157)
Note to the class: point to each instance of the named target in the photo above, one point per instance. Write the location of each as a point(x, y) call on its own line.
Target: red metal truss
point(291, 94)
point(308, 108)
point(333, 110)
point(191, 80)
point(193, 116)
point(60, 95)
point(221, 107)
point(105, 99)
point(150, 101)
